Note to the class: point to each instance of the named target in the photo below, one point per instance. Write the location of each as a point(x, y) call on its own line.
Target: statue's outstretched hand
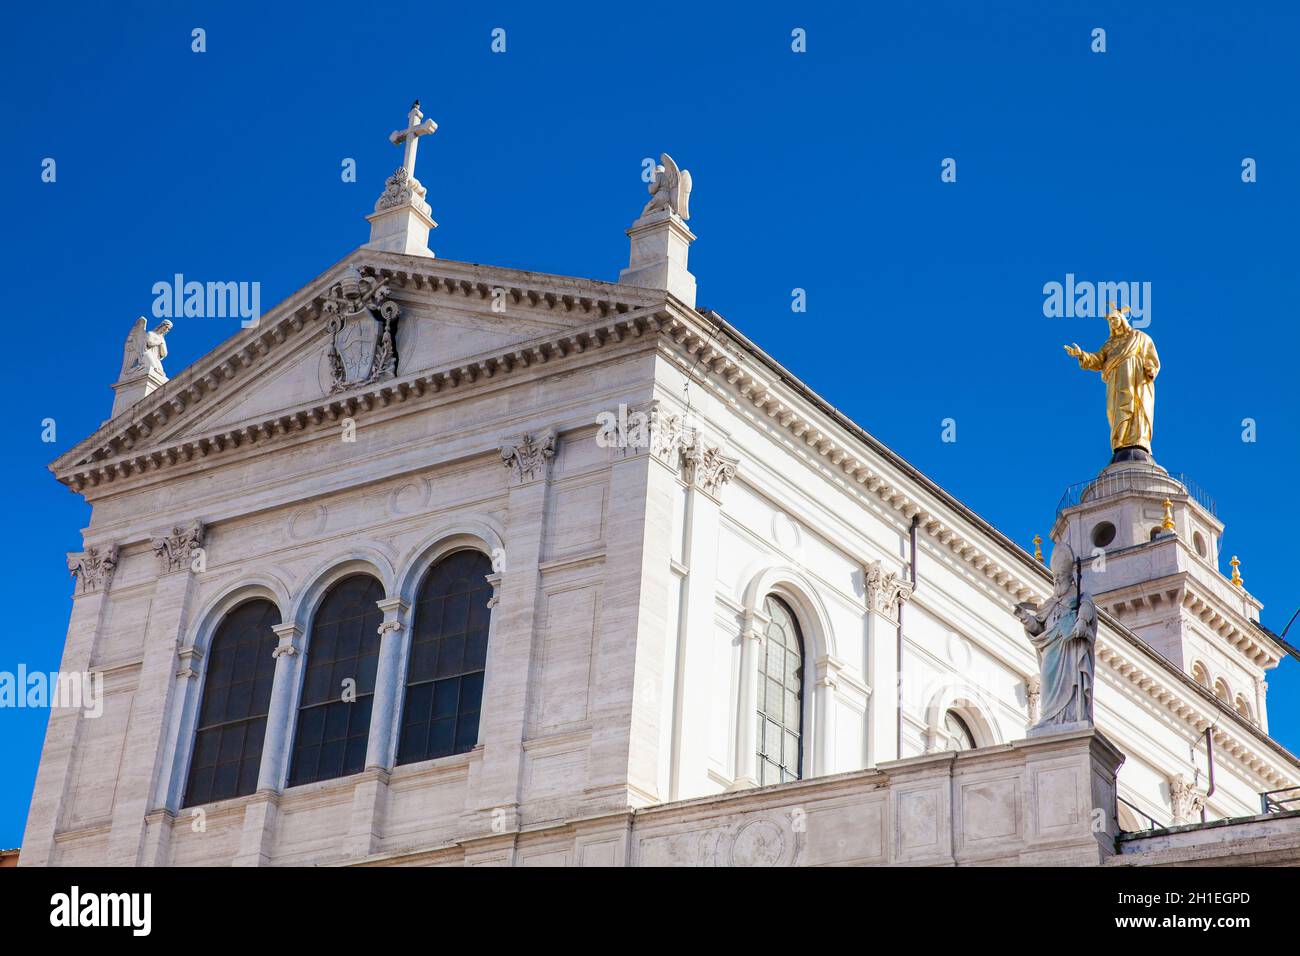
point(1073, 350)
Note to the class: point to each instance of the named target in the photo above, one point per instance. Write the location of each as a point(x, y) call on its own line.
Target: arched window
point(1200, 675)
point(780, 696)
point(1221, 691)
point(444, 679)
point(959, 732)
point(1243, 708)
point(236, 698)
point(339, 685)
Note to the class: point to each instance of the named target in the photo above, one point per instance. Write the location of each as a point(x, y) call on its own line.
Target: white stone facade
point(627, 616)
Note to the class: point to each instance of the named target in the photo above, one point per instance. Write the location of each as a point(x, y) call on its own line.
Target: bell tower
point(1150, 543)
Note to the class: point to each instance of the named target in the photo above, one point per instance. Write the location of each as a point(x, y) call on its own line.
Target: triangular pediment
point(447, 313)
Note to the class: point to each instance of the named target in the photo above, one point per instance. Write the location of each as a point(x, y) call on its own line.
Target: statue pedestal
point(128, 391)
point(402, 229)
point(660, 243)
point(1051, 730)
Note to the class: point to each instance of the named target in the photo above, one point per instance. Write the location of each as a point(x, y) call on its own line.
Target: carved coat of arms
point(362, 331)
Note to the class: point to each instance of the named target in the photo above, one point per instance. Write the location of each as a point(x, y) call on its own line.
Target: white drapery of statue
point(1063, 631)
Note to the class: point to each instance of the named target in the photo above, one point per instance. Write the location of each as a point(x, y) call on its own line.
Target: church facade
point(442, 563)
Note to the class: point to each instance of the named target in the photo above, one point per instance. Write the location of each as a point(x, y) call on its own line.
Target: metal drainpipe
point(898, 651)
point(1209, 758)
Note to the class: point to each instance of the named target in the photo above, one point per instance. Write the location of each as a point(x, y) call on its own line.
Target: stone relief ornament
point(1187, 802)
point(400, 189)
point(886, 590)
point(145, 350)
point(175, 549)
point(706, 466)
point(1063, 631)
point(670, 190)
point(669, 437)
point(362, 329)
point(1033, 697)
point(93, 568)
point(529, 455)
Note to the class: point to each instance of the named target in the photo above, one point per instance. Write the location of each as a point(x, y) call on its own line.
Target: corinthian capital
point(1185, 800)
point(93, 568)
point(529, 456)
point(707, 468)
point(176, 548)
point(886, 590)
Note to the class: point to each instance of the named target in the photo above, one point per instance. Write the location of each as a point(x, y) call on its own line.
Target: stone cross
point(411, 136)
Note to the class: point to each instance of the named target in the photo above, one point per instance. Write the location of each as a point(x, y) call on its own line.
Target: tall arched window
point(339, 685)
point(959, 733)
point(780, 696)
point(444, 679)
point(236, 698)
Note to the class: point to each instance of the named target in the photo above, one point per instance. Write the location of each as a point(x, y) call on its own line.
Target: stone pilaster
point(144, 759)
point(390, 683)
point(885, 592)
point(258, 830)
point(280, 717)
point(52, 777)
point(706, 471)
point(495, 795)
point(627, 712)
point(752, 628)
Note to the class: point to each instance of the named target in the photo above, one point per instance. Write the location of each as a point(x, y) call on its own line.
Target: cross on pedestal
point(411, 136)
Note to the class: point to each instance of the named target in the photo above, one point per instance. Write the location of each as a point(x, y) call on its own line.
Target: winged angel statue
point(670, 189)
point(145, 350)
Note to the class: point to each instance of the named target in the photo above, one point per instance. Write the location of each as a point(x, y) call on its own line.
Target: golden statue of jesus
point(1128, 364)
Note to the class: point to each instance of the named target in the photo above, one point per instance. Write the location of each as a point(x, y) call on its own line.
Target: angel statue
point(144, 350)
point(670, 189)
point(1063, 630)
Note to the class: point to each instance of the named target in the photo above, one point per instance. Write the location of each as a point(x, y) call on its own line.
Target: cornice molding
point(118, 447)
point(1184, 589)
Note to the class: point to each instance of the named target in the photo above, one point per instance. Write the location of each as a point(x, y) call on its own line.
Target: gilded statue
point(1128, 364)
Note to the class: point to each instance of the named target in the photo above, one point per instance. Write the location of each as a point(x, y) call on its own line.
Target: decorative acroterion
point(402, 219)
point(660, 237)
point(1236, 572)
point(1168, 523)
point(1038, 549)
point(142, 369)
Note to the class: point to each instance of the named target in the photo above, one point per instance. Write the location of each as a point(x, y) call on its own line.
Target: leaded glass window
point(232, 712)
point(780, 696)
point(444, 679)
point(338, 687)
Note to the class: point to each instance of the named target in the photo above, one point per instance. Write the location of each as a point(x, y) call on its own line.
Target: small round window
point(1103, 534)
point(1199, 543)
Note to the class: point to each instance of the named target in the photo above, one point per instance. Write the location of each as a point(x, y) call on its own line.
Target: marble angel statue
point(145, 350)
point(670, 189)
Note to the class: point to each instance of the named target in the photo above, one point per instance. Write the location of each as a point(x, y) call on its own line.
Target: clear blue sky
point(819, 171)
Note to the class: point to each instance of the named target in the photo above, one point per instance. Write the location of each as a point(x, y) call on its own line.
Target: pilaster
point(142, 757)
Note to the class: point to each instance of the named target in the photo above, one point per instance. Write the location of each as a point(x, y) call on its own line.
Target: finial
point(1236, 572)
point(1038, 549)
point(1168, 523)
